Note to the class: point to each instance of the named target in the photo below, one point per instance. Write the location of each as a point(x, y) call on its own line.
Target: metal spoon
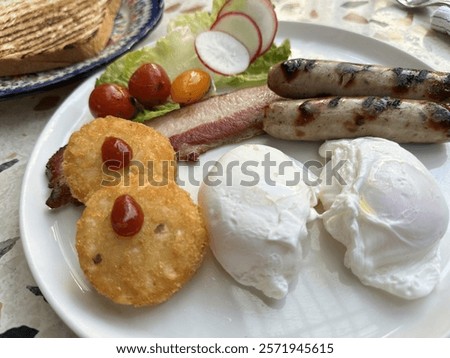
point(412, 4)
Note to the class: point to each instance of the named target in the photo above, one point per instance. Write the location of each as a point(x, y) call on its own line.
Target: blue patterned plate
point(135, 20)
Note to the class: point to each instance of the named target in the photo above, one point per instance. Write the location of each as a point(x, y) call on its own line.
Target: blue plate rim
point(156, 12)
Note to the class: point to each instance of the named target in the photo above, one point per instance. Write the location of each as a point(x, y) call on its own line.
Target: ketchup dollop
point(127, 216)
point(116, 153)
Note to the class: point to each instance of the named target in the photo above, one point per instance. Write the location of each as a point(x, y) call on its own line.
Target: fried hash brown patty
point(153, 156)
point(152, 265)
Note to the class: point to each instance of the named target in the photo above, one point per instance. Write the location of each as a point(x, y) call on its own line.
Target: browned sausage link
point(302, 78)
point(403, 121)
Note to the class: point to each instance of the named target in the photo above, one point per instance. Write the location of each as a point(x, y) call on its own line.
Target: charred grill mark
point(440, 118)
point(346, 67)
point(346, 79)
point(407, 78)
point(367, 103)
point(334, 102)
point(440, 90)
point(309, 65)
point(371, 109)
point(347, 72)
point(376, 105)
point(396, 103)
point(305, 113)
point(446, 82)
point(291, 68)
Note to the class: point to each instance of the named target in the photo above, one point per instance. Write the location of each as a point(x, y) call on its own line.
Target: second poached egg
point(388, 211)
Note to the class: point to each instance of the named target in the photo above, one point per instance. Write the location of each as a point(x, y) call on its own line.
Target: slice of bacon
point(192, 130)
point(60, 194)
point(218, 120)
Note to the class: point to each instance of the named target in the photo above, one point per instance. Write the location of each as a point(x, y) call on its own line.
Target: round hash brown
point(153, 156)
point(152, 265)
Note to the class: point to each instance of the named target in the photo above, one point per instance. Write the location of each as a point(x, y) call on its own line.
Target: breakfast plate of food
point(117, 29)
point(346, 236)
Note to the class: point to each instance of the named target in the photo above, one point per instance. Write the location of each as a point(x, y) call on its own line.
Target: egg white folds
point(256, 207)
point(388, 211)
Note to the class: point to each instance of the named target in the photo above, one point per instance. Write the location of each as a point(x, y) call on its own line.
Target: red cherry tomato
point(116, 153)
point(127, 216)
point(112, 99)
point(150, 85)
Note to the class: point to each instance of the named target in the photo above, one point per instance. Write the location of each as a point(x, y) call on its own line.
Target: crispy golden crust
point(153, 156)
point(152, 265)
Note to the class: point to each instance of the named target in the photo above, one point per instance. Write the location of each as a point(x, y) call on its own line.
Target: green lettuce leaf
point(160, 110)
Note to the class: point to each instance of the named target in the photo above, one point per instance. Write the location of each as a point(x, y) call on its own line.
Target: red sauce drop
point(127, 216)
point(116, 153)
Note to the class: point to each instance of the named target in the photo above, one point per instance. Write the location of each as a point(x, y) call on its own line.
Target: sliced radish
point(243, 28)
point(221, 52)
point(262, 12)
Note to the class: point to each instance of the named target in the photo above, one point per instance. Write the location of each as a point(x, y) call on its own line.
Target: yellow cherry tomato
point(190, 86)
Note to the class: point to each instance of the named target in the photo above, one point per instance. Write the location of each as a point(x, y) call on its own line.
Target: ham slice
point(60, 194)
point(218, 120)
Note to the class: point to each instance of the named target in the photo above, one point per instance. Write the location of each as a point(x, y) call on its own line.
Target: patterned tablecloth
point(23, 309)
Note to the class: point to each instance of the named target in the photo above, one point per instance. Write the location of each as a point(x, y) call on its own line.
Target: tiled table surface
point(23, 309)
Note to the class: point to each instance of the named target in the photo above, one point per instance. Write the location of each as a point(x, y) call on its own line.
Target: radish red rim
point(262, 12)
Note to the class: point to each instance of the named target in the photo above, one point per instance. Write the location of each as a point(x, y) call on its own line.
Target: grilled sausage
point(302, 78)
point(403, 121)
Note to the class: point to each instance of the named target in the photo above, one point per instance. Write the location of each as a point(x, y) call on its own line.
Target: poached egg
point(387, 209)
point(256, 207)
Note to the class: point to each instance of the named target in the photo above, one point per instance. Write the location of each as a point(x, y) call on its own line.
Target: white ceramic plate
point(327, 300)
point(133, 22)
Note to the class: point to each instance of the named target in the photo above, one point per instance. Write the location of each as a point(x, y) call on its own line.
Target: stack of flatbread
point(37, 35)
